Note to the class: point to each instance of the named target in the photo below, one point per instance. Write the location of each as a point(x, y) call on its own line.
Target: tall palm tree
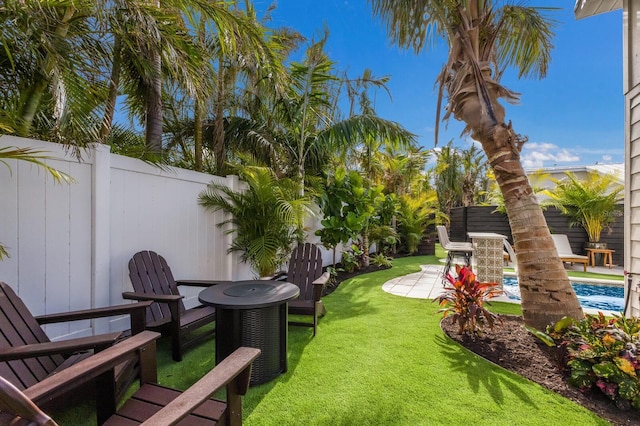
point(296, 132)
point(50, 61)
point(474, 169)
point(313, 127)
point(447, 178)
point(485, 37)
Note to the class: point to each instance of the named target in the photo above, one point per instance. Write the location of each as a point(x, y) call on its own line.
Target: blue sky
point(575, 116)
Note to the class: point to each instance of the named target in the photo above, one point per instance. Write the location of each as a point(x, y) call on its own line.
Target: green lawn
point(382, 359)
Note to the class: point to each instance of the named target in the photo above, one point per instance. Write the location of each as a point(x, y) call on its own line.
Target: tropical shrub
point(465, 298)
point(351, 259)
point(601, 353)
point(382, 261)
point(416, 214)
point(385, 238)
point(266, 218)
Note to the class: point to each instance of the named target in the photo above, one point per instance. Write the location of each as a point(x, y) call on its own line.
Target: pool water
point(594, 296)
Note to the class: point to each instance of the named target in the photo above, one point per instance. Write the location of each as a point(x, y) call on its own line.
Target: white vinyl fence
point(70, 243)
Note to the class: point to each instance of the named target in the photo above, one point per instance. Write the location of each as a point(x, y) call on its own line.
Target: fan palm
point(484, 38)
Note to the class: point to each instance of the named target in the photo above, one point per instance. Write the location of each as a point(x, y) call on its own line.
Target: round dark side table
point(252, 313)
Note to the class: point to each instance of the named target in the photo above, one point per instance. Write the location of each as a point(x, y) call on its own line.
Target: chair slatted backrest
point(305, 266)
point(150, 274)
point(511, 253)
point(562, 244)
point(19, 327)
point(443, 236)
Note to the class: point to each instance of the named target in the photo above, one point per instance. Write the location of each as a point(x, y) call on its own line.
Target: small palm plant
point(592, 203)
point(267, 217)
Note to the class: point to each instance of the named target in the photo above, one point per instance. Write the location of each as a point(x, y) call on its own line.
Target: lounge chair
point(566, 253)
point(151, 404)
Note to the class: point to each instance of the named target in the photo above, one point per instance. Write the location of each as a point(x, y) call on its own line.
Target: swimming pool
point(594, 296)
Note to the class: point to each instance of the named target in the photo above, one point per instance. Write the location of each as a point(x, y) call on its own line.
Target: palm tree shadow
point(482, 375)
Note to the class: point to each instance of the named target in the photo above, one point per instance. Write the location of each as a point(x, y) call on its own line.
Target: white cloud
point(536, 155)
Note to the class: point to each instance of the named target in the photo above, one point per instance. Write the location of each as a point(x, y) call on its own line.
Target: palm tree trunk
point(153, 131)
point(365, 247)
point(153, 134)
point(34, 94)
point(198, 111)
point(218, 128)
point(197, 133)
point(112, 97)
point(546, 293)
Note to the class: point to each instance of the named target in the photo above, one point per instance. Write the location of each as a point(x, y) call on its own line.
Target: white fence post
point(101, 234)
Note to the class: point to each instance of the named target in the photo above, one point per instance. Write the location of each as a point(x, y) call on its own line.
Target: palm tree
point(485, 37)
point(49, 65)
point(474, 169)
point(447, 178)
point(298, 131)
point(592, 202)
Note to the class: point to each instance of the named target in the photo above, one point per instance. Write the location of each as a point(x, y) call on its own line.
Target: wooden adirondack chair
point(27, 356)
point(305, 271)
point(152, 404)
point(152, 280)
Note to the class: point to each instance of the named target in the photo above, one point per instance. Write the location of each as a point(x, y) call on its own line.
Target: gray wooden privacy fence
point(484, 219)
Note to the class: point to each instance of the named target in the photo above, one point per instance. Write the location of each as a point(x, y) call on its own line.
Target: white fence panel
point(157, 210)
point(70, 244)
point(47, 229)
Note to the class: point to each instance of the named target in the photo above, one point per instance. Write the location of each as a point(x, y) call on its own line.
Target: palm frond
point(36, 157)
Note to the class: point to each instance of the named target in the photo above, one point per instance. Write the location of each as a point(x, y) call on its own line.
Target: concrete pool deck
point(427, 284)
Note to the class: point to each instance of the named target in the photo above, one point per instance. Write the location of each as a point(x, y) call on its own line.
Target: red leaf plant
point(465, 297)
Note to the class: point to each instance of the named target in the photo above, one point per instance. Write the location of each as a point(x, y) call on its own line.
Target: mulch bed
point(512, 347)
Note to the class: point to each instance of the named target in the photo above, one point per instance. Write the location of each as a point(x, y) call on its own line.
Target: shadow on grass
point(493, 380)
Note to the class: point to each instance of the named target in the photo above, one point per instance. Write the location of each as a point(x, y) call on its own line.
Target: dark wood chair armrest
point(319, 284)
point(235, 368)
point(160, 298)
point(98, 342)
point(322, 279)
point(136, 312)
point(15, 402)
point(200, 283)
point(142, 345)
point(107, 311)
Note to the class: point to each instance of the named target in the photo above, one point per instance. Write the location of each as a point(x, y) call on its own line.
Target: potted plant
point(592, 202)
